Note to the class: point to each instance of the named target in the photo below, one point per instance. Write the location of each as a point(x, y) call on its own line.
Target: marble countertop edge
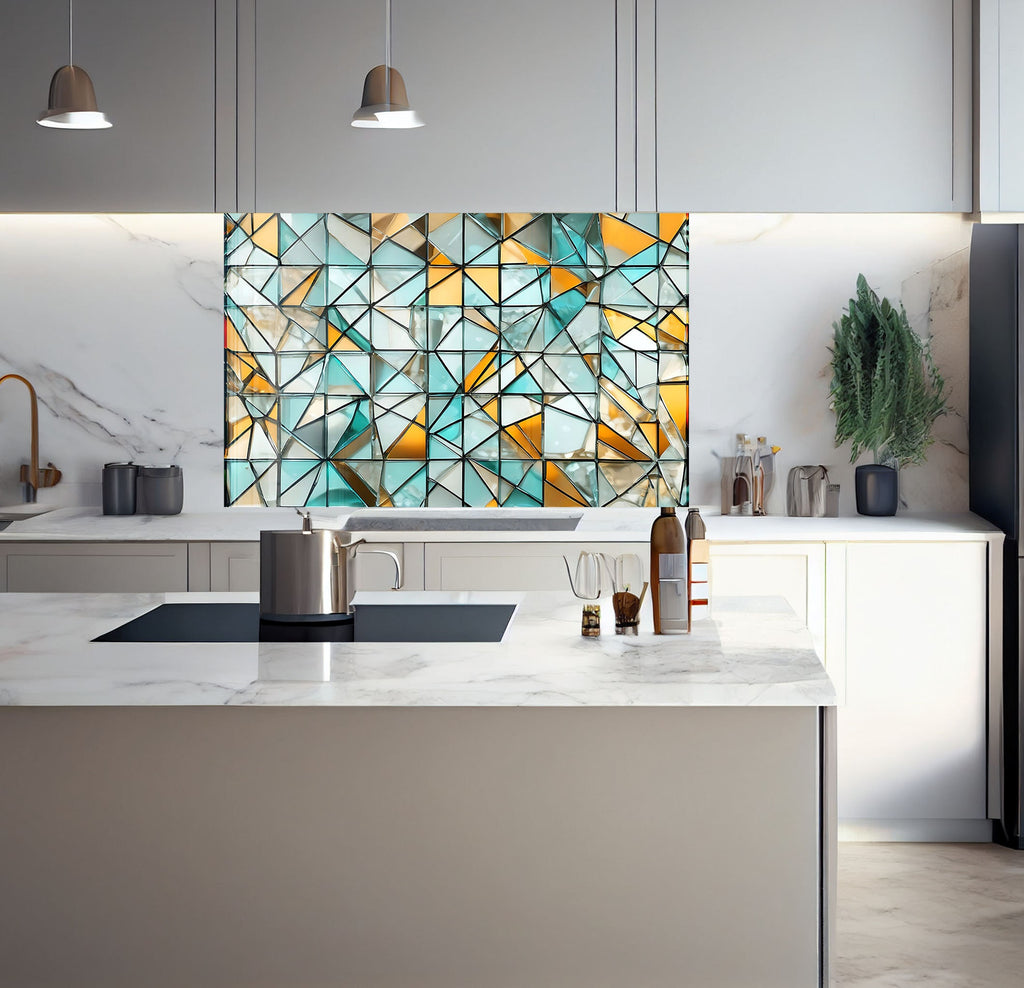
point(596, 525)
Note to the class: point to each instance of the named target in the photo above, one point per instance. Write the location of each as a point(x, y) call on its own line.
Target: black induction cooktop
point(235, 622)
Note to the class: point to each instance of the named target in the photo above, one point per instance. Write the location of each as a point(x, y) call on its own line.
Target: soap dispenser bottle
point(668, 574)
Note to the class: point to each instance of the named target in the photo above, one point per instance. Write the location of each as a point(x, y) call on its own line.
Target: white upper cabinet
point(999, 105)
point(806, 106)
point(153, 69)
point(518, 98)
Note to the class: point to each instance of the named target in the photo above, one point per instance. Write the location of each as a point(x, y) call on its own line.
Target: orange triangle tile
point(669, 225)
point(621, 235)
point(266, 237)
point(486, 279)
point(563, 280)
point(484, 369)
point(618, 322)
point(297, 295)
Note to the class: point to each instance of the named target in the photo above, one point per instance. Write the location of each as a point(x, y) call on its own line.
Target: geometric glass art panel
point(456, 359)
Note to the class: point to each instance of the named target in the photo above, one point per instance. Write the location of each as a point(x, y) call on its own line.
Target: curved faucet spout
point(30, 475)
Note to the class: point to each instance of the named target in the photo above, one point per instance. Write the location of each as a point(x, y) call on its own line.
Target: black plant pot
point(878, 489)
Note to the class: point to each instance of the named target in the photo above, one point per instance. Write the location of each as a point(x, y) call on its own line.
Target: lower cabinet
point(794, 571)
point(912, 748)
point(512, 565)
point(98, 567)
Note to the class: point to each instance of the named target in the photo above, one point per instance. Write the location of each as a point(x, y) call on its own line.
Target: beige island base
point(166, 829)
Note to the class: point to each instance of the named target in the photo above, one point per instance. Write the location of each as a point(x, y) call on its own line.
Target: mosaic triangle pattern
point(456, 359)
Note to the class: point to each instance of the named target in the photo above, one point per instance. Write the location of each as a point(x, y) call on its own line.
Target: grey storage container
point(119, 483)
point(160, 491)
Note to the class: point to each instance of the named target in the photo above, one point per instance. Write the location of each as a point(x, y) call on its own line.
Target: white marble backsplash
point(765, 290)
point(117, 320)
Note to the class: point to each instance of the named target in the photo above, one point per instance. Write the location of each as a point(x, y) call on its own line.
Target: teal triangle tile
point(286, 236)
point(348, 373)
point(648, 222)
point(391, 254)
point(297, 480)
point(340, 493)
point(348, 243)
point(301, 222)
point(447, 237)
point(240, 476)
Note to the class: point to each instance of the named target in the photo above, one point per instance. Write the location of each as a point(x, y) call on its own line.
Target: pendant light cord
point(71, 32)
point(387, 52)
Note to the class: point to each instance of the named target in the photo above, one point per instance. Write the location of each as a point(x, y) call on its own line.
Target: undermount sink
point(18, 512)
point(463, 520)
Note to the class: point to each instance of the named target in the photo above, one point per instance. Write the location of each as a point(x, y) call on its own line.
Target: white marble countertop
point(595, 525)
point(747, 655)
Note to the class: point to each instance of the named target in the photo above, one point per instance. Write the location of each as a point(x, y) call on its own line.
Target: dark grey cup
point(119, 488)
point(878, 490)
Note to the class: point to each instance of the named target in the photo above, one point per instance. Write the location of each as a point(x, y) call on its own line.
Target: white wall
point(117, 320)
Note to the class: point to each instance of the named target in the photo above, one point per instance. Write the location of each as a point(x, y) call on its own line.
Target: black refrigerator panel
point(995, 486)
point(1007, 829)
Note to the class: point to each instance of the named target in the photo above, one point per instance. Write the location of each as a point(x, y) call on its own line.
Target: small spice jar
point(591, 627)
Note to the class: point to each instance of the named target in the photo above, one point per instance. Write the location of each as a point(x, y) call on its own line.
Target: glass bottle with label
point(743, 477)
point(669, 574)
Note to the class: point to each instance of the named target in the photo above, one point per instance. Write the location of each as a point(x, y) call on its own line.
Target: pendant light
point(385, 103)
point(72, 104)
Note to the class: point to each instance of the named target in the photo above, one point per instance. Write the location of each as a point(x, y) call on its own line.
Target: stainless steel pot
point(307, 573)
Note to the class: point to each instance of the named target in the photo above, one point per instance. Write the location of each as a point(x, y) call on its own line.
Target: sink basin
point(462, 520)
point(18, 512)
point(240, 622)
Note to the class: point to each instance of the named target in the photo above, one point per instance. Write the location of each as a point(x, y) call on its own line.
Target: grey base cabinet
point(430, 846)
point(99, 567)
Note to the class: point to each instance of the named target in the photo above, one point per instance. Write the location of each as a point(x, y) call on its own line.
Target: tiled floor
point(941, 915)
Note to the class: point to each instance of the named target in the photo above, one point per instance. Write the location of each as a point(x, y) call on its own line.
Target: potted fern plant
point(886, 393)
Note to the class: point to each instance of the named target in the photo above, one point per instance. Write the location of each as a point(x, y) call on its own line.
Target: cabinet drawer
point(97, 568)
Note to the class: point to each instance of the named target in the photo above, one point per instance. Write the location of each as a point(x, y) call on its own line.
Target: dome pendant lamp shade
point(385, 102)
point(72, 103)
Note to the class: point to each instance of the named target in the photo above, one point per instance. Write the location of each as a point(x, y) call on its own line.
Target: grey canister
point(119, 488)
point(161, 490)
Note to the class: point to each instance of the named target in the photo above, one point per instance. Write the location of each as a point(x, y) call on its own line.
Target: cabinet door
point(518, 98)
point(153, 69)
point(100, 567)
point(794, 571)
point(800, 105)
point(236, 566)
point(512, 565)
point(1001, 106)
point(911, 746)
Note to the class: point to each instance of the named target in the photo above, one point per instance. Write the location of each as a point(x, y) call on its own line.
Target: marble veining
point(746, 656)
point(117, 322)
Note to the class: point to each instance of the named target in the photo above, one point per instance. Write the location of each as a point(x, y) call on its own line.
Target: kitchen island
point(544, 810)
